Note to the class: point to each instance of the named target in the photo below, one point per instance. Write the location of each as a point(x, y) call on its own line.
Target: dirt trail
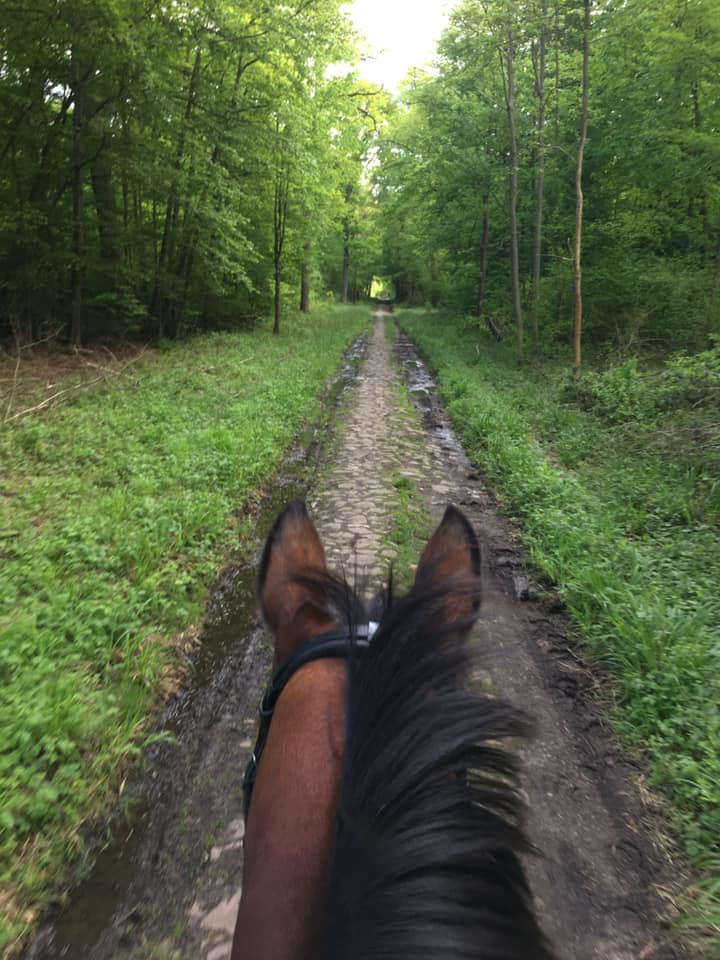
point(175, 891)
point(604, 873)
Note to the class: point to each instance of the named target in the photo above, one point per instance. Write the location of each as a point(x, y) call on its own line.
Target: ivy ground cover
point(115, 513)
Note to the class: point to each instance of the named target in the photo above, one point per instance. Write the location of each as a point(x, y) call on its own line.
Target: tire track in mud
point(175, 892)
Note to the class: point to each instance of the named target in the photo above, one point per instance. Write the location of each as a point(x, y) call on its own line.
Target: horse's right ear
point(451, 560)
point(289, 601)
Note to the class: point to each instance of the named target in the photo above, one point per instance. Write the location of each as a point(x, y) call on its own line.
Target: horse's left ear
point(452, 559)
point(290, 581)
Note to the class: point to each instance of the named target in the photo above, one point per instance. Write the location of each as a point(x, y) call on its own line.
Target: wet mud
point(168, 887)
point(604, 878)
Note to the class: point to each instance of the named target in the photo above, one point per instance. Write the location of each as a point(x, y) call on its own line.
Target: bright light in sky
point(400, 34)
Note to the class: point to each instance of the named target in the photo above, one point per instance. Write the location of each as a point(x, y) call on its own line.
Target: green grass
point(409, 529)
point(620, 503)
point(704, 914)
point(410, 523)
point(115, 513)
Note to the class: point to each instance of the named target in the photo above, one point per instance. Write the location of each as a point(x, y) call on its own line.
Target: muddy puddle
point(224, 686)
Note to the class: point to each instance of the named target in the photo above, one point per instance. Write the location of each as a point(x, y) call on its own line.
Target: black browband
point(334, 644)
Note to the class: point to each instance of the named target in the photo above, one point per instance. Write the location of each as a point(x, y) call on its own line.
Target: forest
point(173, 169)
point(481, 167)
point(199, 202)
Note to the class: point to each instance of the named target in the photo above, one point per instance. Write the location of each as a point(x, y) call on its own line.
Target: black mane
point(430, 821)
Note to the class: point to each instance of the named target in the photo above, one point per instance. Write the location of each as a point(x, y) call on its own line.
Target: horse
point(383, 802)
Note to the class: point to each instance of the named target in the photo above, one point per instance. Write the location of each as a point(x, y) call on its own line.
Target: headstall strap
point(334, 644)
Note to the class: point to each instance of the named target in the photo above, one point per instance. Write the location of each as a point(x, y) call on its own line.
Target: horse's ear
point(451, 560)
point(292, 606)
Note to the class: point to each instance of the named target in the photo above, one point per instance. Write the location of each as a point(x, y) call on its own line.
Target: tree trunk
point(278, 243)
point(434, 293)
point(346, 247)
point(714, 289)
point(306, 266)
point(176, 306)
point(276, 319)
point(305, 279)
point(188, 235)
point(187, 278)
point(510, 103)
point(107, 214)
point(702, 199)
point(556, 43)
point(127, 245)
point(483, 254)
point(78, 202)
point(482, 279)
point(346, 261)
point(579, 192)
point(540, 186)
point(173, 204)
point(282, 192)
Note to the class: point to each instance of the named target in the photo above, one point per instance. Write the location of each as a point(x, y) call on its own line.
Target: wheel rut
point(605, 876)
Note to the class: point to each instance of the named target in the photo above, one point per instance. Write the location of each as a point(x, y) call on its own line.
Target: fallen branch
point(36, 343)
point(61, 393)
point(493, 327)
point(13, 389)
point(26, 346)
point(77, 386)
point(110, 370)
point(108, 350)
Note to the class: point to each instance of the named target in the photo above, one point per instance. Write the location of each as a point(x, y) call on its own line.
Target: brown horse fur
point(290, 831)
point(291, 885)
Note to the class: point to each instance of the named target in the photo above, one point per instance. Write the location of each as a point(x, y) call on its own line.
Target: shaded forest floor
point(44, 377)
point(168, 888)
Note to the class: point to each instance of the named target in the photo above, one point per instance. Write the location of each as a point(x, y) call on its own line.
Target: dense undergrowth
point(115, 514)
point(616, 482)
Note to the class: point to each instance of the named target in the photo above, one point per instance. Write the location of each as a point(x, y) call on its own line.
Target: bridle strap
point(333, 645)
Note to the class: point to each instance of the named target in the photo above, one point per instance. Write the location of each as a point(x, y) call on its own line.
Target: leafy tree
point(137, 183)
point(450, 175)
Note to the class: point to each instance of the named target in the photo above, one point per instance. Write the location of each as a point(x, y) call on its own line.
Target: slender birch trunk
point(346, 248)
point(482, 280)
point(282, 189)
point(78, 201)
point(510, 103)
point(305, 279)
point(540, 187)
point(306, 265)
point(579, 191)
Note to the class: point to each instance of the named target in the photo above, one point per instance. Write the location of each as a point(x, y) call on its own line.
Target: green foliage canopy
point(651, 179)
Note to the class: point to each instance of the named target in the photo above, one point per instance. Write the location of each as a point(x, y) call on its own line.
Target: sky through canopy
point(400, 34)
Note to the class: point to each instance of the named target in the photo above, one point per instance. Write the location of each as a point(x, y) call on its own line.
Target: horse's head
point(450, 567)
point(386, 814)
point(299, 601)
point(290, 582)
